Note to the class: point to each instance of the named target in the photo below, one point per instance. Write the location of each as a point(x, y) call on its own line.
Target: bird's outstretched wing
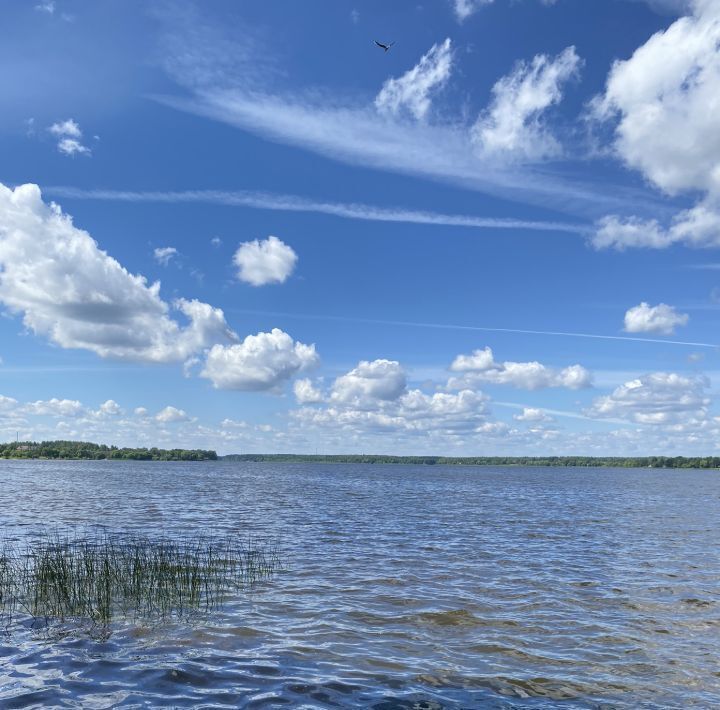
point(384, 46)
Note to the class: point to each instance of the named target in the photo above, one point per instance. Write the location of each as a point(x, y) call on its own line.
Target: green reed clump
point(102, 576)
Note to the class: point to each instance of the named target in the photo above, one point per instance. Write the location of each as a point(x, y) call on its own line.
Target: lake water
point(404, 587)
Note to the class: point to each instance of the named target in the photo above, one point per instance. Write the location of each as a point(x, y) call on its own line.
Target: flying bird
point(384, 46)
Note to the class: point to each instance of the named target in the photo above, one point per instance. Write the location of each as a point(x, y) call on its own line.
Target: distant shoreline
point(706, 462)
point(87, 451)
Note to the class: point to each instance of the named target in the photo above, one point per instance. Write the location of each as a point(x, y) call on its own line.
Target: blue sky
point(243, 226)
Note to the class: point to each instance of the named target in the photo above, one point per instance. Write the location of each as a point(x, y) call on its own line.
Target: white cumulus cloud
point(412, 91)
point(7, 403)
point(661, 319)
point(664, 101)
point(69, 137)
point(171, 415)
point(68, 128)
point(698, 227)
point(71, 146)
point(110, 408)
point(374, 398)
point(657, 398)
point(261, 362)
point(369, 382)
point(70, 291)
point(56, 407)
point(532, 415)
point(306, 392)
point(481, 367)
point(512, 125)
point(265, 262)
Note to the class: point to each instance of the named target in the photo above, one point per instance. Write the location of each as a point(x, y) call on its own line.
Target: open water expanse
point(403, 587)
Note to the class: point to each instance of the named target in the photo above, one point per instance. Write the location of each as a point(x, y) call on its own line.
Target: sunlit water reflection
point(404, 587)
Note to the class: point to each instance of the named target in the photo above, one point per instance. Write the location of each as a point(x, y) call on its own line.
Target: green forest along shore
point(600, 461)
point(84, 450)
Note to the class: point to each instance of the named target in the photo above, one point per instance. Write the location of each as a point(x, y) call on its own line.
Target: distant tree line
point(606, 461)
point(86, 450)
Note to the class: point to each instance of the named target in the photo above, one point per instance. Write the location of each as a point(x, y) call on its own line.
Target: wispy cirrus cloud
point(412, 91)
point(445, 152)
point(465, 8)
point(163, 255)
point(669, 7)
point(46, 6)
point(349, 128)
point(512, 126)
point(295, 203)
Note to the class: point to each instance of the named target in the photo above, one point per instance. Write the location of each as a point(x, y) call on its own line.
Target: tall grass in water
point(100, 577)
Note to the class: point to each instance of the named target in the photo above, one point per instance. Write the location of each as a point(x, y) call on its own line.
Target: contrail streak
point(294, 203)
point(482, 329)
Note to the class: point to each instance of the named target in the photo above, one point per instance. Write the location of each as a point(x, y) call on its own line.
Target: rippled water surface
point(404, 587)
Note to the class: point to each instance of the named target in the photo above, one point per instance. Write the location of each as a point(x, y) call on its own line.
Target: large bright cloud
point(481, 367)
point(412, 91)
point(70, 291)
point(661, 319)
point(270, 261)
point(665, 100)
point(512, 125)
point(261, 362)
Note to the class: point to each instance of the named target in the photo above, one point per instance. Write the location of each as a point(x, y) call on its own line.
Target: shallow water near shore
point(402, 587)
